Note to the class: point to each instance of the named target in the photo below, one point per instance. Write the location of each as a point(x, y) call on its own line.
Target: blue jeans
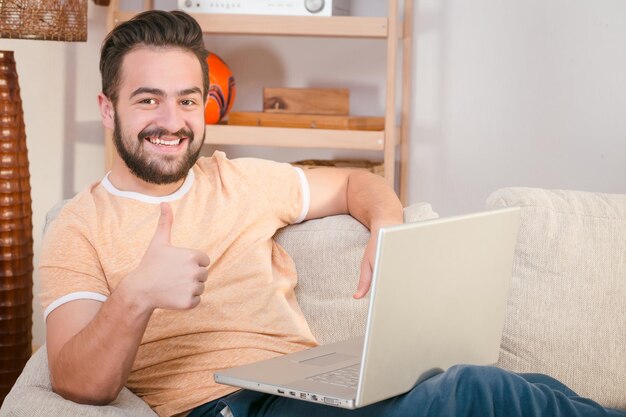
point(462, 391)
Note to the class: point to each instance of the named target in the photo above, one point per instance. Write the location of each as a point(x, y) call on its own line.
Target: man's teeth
point(158, 141)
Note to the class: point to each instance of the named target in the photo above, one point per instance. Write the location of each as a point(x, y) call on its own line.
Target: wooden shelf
point(390, 29)
point(295, 138)
point(335, 26)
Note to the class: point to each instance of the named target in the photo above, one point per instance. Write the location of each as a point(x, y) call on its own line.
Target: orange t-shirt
point(229, 208)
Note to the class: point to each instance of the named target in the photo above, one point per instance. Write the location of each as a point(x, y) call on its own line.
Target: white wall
point(517, 93)
point(505, 93)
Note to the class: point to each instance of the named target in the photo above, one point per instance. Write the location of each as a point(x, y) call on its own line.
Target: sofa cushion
point(327, 253)
point(32, 396)
point(567, 306)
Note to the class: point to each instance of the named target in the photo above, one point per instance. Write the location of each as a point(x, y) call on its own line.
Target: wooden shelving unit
point(306, 138)
point(391, 28)
point(336, 26)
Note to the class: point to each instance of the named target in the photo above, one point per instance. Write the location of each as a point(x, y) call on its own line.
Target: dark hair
point(150, 28)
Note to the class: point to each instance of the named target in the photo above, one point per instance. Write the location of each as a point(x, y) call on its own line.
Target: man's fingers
point(367, 264)
point(163, 233)
point(203, 259)
point(365, 280)
point(199, 290)
point(203, 274)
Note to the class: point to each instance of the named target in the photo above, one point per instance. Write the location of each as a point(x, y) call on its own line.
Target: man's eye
point(187, 102)
point(148, 101)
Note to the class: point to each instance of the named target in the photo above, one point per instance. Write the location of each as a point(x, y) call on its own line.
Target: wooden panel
point(334, 101)
point(112, 14)
point(295, 138)
point(331, 26)
point(407, 90)
point(390, 106)
point(307, 121)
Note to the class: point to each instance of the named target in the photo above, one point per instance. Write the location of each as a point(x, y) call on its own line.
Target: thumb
point(365, 280)
point(164, 227)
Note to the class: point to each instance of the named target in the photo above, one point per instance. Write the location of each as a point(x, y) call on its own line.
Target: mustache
point(157, 132)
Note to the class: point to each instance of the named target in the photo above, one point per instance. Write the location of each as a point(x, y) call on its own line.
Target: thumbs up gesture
point(168, 276)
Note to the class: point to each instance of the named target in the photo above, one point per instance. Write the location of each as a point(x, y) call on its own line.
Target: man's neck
point(124, 180)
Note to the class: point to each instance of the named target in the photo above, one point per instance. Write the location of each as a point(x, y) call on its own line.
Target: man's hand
point(367, 263)
point(364, 196)
point(367, 267)
point(84, 335)
point(169, 277)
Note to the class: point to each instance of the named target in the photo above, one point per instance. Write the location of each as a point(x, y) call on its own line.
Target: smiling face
point(158, 120)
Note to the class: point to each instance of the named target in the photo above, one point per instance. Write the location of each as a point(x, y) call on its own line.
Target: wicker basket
point(375, 167)
point(52, 20)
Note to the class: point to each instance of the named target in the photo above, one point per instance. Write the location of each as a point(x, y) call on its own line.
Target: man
point(173, 272)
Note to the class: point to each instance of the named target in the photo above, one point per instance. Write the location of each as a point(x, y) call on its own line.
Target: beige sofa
point(566, 312)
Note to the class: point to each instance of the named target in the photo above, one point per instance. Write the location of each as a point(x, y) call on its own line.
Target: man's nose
point(171, 117)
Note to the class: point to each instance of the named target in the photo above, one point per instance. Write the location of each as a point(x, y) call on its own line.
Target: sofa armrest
point(32, 395)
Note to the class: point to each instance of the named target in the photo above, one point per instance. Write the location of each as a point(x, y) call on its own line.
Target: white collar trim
point(106, 183)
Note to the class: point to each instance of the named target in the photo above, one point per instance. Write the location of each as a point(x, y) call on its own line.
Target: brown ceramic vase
point(16, 240)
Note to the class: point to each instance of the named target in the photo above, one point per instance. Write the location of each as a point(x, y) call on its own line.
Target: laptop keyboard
point(345, 377)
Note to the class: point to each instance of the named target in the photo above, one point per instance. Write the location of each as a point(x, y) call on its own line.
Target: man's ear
point(107, 111)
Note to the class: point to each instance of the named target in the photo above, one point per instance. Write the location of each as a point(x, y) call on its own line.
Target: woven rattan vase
point(16, 240)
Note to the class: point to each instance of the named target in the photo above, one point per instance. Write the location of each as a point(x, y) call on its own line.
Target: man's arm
point(92, 345)
point(364, 196)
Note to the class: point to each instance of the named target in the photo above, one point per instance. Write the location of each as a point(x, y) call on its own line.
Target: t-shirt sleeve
point(280, 188)
point(305, 194)
point(69, 268)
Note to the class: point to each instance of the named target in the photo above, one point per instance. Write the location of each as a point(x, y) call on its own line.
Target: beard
point(156, 170)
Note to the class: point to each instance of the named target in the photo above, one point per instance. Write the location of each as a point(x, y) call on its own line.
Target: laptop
point(438, 298)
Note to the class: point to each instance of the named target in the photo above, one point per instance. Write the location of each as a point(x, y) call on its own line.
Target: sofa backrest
point(328, 253)
point(566, 312)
